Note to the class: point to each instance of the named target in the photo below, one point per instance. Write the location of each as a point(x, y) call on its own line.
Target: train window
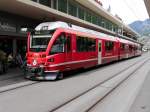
point(92, 45)
point(130, 47)
point(99, 47)
point(135, 48)
point(68, 44)
point(79, 44)
point(59, 45)
point(85, 44)
point(122, 46)
point(109, 45)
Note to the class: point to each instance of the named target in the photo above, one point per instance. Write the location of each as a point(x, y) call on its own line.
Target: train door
point(68, 49)
point(99, 51)
point(118, 49)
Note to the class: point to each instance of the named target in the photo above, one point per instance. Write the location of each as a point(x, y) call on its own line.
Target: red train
point(55, 47)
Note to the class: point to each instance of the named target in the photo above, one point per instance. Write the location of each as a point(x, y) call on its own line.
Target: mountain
point(142, 27)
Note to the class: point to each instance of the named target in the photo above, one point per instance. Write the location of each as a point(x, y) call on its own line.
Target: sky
point(127, 10)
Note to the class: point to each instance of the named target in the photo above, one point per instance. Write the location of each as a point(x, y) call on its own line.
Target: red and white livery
point(55, 47)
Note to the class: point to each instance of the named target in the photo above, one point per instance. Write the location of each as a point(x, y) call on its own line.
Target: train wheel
point(60, 76)
point(1, 67)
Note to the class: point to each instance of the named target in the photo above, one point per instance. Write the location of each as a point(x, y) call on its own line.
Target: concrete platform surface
point(142, 102)
point(13, 76)
point(122, 98)
point(45, 96)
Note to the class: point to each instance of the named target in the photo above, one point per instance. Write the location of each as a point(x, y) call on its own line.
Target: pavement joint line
point(95, 86)
point(146, 61)
point(16, 86)
point(59, 109)
point(106, 87)
point(23, 84)
point(133, 95)
point(130, 75)
point(41, 85)
point(52, 110)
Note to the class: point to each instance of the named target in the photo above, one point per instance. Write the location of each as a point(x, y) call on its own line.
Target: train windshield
point(39, 40)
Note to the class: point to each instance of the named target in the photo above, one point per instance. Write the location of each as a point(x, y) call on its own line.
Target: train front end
point(37, 67)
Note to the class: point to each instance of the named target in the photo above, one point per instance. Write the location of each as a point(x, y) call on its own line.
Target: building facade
point(147, 4)
point(11, 37)
point(17, 14)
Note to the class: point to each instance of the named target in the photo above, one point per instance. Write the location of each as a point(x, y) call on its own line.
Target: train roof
point(123, 40)
point(60, 24)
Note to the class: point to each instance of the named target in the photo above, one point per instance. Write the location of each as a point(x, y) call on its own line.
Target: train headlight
point(34, 62)
point(41, 66)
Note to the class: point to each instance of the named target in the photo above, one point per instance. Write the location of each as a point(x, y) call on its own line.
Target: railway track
point(90, 108)
point(48, 95)
point(30, 83)
point(62, 107)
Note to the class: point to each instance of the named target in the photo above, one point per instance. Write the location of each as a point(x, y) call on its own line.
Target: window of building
point(115, 28)
point(106, 24)
point(55, 4)
point(81, 13)
point(99, 21)
point(88, 16)
point(103, 23)
point(109, 45)
point(85, 44)
point(120, 30)
point(72, 9)
point(62, 5)
point(94, 19)
point(110, 26)
point(75, 9)
point(34, 0)
point(44, 2)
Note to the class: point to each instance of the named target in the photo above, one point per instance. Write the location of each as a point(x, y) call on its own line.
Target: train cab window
point(109, 45)
point(59, 45)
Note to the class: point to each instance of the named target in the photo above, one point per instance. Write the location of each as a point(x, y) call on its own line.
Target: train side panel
point(109, 51)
